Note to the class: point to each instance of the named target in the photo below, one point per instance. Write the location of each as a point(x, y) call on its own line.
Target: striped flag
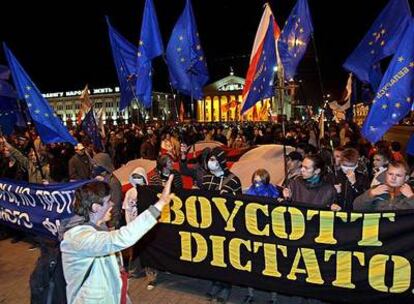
point(85, 105)
point(259, 59)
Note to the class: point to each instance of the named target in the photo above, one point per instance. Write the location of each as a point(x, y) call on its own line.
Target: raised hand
point(166, 194)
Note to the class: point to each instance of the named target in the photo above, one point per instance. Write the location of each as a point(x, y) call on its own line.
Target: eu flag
point(48, 125)
point(262, 86)
point(4, 72)
point(124, 55)
point(150, 46)
point(8, 114)
point(90, 127)
point(295, 37)
point(185, 57)
point(381, 41)
point(394, 96)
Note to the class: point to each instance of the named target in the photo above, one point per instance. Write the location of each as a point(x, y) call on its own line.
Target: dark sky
point(64, 44)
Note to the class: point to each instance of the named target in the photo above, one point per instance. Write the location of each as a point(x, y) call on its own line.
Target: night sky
point(64, 44)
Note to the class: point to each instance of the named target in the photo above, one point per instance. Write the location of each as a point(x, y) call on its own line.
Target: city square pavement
point(17, 262)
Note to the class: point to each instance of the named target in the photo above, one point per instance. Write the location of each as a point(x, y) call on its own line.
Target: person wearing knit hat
point(103, 171)
point(219, 178)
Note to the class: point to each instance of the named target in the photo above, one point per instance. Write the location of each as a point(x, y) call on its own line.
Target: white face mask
point(139, 181)
point(213, 165)
point(345, 169)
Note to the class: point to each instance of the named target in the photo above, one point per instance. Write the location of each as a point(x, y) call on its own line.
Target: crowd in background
point(337, 170)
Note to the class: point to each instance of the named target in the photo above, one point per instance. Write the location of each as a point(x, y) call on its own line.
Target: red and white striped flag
point(258, 47)
point(85, 105)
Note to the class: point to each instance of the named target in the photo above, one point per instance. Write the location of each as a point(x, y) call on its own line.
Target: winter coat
point(319, 195)
point(264, 190)
point(80, 167)
point(366, 202)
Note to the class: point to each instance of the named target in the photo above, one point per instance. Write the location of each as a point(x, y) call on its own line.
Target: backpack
point(47, 283)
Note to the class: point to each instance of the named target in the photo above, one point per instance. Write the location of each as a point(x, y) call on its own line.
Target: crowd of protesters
point(337, 170)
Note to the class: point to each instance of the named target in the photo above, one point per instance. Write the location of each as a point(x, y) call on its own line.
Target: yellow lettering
point(326, 225)
point(187, 249)
point(218, 251)
point(401, 273)
point(270, 257)
point(175, 206)
point(205, 212)
point(251, 219)
point(344, 266)
point(222, 208)
point(234, 250)
point(279, 224)
point(311, 266)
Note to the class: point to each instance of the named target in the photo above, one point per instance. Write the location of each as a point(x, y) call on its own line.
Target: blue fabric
point(48, 125)
point(124, 54)
point(295, 37)
point(410, 145)
point(262, 85)
point(36, 208)
point(185, 57)
point(150, 46)
point(90, 127)
point(264, 190)
point(381, 41)
point(394, 97)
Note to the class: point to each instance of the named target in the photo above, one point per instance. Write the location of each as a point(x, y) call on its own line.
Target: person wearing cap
point(219, 178)
point(80, 165)
point(103, 170)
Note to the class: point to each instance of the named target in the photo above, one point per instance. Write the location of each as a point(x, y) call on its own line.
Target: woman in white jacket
point(89, 251)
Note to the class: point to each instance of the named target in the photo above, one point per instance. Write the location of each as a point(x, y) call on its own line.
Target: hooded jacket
point(131, 195)
point(228, 183)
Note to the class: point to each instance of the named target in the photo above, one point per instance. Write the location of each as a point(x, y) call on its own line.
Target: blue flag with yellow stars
point(295, 37)
point(185, 57)
point(394, 96)
point(381, 41)
point(124, 54)
point(150, 46)
point(262, 86)
point(90, 127)
point(48, 125)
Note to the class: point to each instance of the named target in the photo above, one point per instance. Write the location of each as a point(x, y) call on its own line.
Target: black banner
point(287, 248)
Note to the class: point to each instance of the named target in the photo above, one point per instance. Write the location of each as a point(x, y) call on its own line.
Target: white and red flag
point(259, 57)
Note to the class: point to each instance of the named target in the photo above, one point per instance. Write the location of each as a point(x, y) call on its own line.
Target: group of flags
point(184, 56)
point(185, 59)
point(274, 49)
point(392, 33)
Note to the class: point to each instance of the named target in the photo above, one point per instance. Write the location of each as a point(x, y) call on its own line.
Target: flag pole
point(328, 121)
point(280, 92)
point(26, 120)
